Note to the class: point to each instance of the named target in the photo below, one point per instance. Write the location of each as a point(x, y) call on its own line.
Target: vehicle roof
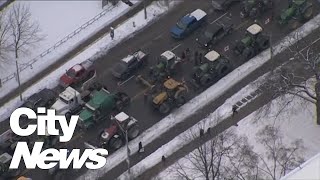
point(100, 97)
point(128, 58)
point(34, 98)
point(121, 117)
point(168, 55)
point(86, 64)
point(212, 55)
point(254, 29)
point(77, 68)
point(69, 93)
point(187, 19)
point(198, 14)
point(214, 28)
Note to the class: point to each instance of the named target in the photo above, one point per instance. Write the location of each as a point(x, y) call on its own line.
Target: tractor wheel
point(115, 143)
point(293, 24)
point(238, 48)
point(206, 80)
point(224, 71)
point(164, 108)
point(180, 100)
point(133, 132)
point(248, 53)
point(263, 42)
point(307, 13)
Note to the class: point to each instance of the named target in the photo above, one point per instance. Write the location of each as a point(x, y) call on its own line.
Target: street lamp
point(127, 145)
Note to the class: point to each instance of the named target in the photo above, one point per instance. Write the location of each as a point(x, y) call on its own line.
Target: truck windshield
point(181, 25)
point(64, 100)
point(71, 73)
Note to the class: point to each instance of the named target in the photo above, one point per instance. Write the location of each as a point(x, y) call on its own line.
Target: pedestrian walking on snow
point(163, 159)
point(234, 110)
point(112, 33)
point(141, 149)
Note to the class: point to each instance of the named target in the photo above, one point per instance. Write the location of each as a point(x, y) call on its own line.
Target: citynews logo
point(49, 158)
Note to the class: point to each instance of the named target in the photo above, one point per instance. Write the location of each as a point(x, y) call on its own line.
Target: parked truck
point(100, 106)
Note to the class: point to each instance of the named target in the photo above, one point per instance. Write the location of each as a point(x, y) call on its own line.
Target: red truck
point(78, 74)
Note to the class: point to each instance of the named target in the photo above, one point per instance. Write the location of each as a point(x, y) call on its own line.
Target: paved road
point(155, 40)
point(247, 109)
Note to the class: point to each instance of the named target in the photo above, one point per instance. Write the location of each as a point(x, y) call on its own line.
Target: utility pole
point(18, 79)
point(145, 9)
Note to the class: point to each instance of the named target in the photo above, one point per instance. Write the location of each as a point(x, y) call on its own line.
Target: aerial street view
point(160, 90)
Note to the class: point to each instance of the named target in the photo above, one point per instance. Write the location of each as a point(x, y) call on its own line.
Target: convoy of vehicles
point(82, 95)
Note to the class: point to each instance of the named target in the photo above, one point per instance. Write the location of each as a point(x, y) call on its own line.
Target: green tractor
point(253, 43)
point(214, 68)
point(255, 8)
point(100, 106)
point(297, 12)
point(165, 67)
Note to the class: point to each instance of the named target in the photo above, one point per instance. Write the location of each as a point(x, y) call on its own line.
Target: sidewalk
point(69, 55)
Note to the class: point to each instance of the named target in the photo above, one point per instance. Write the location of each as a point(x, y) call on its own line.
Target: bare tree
point(294, 78)
point(230, 156)
point(25, 33)
point(224, 157)
point(4, 36)
point(279, 158)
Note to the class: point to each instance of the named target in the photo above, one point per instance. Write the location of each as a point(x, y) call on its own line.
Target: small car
point(126, 66)
point(222, 5)
point(213, 34)
point(189, 23)
point(44, 98)
point(77, 74)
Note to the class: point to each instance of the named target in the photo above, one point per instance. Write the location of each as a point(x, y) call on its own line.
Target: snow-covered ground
point(59, 21)
point(297, 123)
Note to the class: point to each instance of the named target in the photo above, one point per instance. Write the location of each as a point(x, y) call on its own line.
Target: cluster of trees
point(229, 156)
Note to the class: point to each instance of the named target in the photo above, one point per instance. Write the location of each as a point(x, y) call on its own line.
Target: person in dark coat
point(141, 149)
point(234, 110)
point(200, 58)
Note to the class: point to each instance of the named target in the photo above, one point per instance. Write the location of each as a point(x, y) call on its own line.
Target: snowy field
point(58, 21)
point(296, 123)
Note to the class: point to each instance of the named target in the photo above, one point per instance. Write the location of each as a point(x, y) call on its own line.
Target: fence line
point(56, 45)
